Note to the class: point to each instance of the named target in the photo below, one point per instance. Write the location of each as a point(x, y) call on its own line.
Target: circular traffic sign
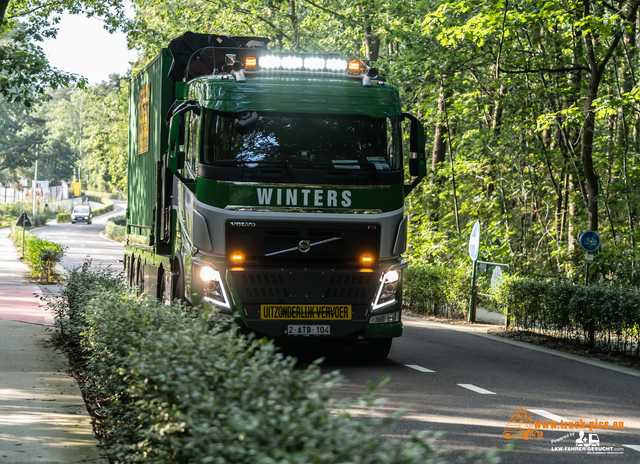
point(474, 241)
point(590, 240)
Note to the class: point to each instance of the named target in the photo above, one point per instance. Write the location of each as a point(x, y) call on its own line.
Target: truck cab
point(279, 201)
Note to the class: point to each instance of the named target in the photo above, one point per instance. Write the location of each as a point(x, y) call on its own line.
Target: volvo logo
point(243, 224)
point(304, 246)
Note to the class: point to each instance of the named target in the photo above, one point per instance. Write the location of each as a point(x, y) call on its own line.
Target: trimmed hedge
point(42, 255)
point(115, 231)
point(599, 315)
point(105, 200)
point(61, 218)
point(181, 388)
point(436, 290)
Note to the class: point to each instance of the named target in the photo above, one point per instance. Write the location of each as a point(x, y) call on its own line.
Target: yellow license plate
point(306, 312)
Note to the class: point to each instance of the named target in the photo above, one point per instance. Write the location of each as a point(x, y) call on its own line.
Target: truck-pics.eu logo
point(580, 437)
point(521, 425)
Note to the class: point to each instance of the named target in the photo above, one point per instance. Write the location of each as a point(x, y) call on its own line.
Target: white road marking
point(482, 391)
point(633, 447)
point(548, 415)
point(418, 368)
point(49, 320)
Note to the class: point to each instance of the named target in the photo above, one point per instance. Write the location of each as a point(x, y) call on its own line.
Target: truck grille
point(306, 286)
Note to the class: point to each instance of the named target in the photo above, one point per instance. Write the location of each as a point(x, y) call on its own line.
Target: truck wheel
point(163, 294)
point(376, 348)
point(140, 277)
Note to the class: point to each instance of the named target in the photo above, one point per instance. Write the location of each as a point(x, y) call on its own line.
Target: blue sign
point(590, 241)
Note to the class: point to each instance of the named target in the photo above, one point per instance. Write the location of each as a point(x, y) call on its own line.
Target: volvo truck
point(268, 189)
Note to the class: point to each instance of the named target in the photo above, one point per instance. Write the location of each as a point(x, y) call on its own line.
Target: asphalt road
point(460, 381)
point(467, 384)
point(86, 241)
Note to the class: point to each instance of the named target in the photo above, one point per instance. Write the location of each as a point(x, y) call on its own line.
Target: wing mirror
point(417, 164)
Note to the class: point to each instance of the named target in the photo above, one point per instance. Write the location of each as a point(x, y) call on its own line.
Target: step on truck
point(269, 188)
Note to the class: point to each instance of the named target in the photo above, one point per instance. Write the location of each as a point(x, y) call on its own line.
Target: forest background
point(531, 110)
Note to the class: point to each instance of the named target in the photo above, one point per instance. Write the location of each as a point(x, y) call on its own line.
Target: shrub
point(42, 255)
point(118, 220)
point(38, 220)
point(434, 289)
point(63, 217)
point(116, 232)
point(103, 198)
point(598, 314)
point(182, 388)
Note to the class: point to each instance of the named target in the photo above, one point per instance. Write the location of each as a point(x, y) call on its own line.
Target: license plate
point(306, 312)
point(308, 330)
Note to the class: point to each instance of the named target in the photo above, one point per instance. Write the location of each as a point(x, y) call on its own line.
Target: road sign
point(496, 279)
point(590, 241)
point(474, 241)
point(24, 221)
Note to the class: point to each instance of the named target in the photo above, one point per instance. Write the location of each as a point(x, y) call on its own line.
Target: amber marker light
point(251, 62)
point(354, 67)
point(237, 257)
point(366, 260)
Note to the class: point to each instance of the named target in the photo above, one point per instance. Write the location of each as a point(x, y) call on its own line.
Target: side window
point(192, 133)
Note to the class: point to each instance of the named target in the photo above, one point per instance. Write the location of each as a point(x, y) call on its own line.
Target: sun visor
point(196, 55)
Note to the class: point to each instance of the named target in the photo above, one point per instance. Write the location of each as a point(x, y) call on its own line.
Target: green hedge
point(114, 231)
point(101, 198)
point(61, 218)
point(600, 315)
point(42, 255)
point(436, 290)
point(181, 388)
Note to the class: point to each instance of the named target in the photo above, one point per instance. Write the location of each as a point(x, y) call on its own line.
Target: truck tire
point(139, 276)
point(177, 281)
point(376, 348)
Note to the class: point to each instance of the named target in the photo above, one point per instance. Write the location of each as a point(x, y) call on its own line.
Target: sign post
point(590, 242)
point(23, 221)
point(474, 248)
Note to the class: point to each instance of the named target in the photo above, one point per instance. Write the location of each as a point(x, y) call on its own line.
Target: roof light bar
point(310, 63)
point(335, 64)
point(291, 62)
point(313, 62)
point(270, 62)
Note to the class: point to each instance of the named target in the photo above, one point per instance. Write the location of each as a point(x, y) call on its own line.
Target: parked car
point(81, 213)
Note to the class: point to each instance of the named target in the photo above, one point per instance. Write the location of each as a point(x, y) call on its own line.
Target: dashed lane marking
point(418, 368)
point(482, 391)
point(548, 415)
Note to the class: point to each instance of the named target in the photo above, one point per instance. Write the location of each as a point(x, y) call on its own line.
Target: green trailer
point(269, 188)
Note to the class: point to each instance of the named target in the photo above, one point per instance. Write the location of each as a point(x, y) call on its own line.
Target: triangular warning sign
point(24, 221)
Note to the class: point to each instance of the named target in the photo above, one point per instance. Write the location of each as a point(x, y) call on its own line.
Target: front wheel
point(376, 348)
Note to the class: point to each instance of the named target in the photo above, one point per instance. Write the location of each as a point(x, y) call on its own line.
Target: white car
point(81, 213)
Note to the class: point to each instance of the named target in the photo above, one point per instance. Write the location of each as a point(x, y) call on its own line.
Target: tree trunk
point(439, 140)
point(3, 9)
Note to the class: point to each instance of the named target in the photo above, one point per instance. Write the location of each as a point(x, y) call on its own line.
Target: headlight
point(388, 290)
point(385, 318)
point(214, 291)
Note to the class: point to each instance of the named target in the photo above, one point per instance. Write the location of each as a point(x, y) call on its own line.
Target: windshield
point(81, 209)
point(302, 141)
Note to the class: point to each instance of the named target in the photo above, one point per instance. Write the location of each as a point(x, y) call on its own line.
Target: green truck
point(269, 188)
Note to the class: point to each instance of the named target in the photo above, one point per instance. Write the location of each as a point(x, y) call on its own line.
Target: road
point(461, 381)
point(85, 241)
